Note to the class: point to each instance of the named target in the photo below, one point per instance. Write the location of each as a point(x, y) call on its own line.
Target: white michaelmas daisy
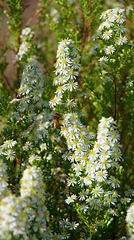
point(67, 61)
point(103, 60)
point(82, 195)
point(103, 15)
point(9, 143)
point(10, 154)
point(111, 15)
point(108, 23)
point(26, 31)
point(60, 90)
point(43, 146)
point(56, 100)
point(109, 199)
point(71, 182)
point(101, 26)
point(33, 158)
point(121, 40)
point(95, 204)
point(73, 225)
point(97, 191)
point(129, 9)
point(71, 199)
point(27, 146)
point(120, 18)
point(22, 50)
point(70, 103)
point(88, 180)
point(120, 28)
point(110, 49)
point(107, 34)
point(130, 220)
point(101, 175)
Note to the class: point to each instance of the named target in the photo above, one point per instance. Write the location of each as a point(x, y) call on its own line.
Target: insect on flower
point(57, 118)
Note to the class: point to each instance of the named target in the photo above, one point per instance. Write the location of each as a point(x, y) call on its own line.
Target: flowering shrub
point(26, 216)
point(62, 176)
point(130, 220)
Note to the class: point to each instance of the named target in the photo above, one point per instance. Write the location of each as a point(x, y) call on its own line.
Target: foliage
point(66, 162)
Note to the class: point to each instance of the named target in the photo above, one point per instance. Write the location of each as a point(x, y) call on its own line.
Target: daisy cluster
point(31, 107)
point(91, 166)
point(94, 169)
point(25, 37)
point(67, 226)
point(8, 150)
point(27, 214)
point(94, 179)
point(32, 118)
point(130, 221)
point(78, 140)
point(3, 179)
point(68, 62)
point(31, 88)
point(8, 159)
point(111, 32)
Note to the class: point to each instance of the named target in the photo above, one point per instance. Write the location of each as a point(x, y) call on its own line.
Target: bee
point(57, 118)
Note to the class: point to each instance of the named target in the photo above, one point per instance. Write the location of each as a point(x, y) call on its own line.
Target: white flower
point(101, 175)
point(71, 182)
point(26, 31)
point(120, 28)
point(64, 223)
point(54, 14)
point(111, 14)
point(102, 60)
point(82, 195)
point(43, 146)
point(108, 23)
point(110, 49)
point(27, 146)
point(88, 180)
point(73, 225)
point(103, 15)
point(70, 103)
point(23, 50)
point(114, 182)
point(92, 156)
point(60, 90)
point(10, 154)
point(94, 203)
point(130, 218)
point(17, 212)
point(97, 191)
point(9, 143)
point(126, 200)
point(120, 18)
point(56, 100)
point(109, 199)
point(121, 40)
point(71, 199)
point(33, 158)
point(66, 66)
point(101, 26)
point(77, 169)
point(107, 34)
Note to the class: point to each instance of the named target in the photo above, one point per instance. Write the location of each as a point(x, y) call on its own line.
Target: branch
point(4, 4)
point(37, 13)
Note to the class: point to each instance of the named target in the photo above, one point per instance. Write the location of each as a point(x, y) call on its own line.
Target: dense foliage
point(66, 136)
